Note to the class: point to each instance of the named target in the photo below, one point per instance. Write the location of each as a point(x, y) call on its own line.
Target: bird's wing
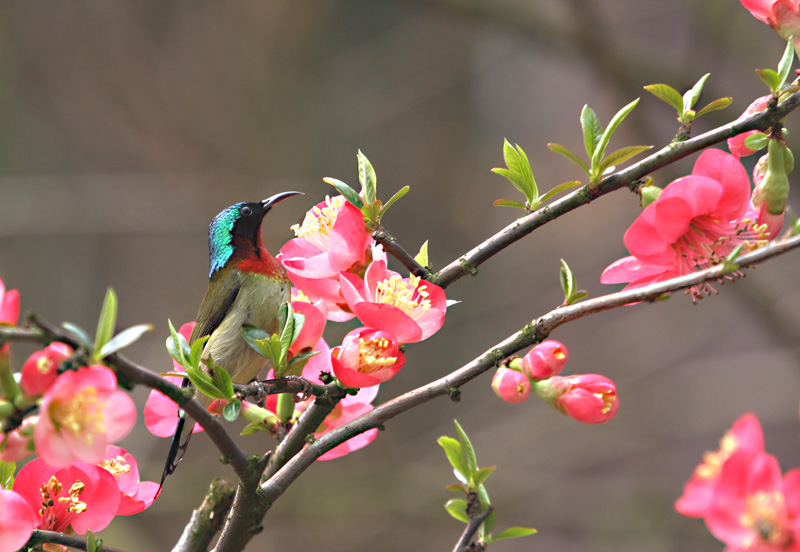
point(220, 295)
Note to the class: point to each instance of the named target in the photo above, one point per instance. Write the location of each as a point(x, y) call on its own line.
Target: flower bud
point(545, 360)
point(588, 398)
point(510, 385)
point(41, 369)
point(255, 414)
point(18, 443)
point(772, 189)
point(650, 193)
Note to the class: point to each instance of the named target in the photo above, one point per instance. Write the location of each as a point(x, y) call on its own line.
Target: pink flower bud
point(41, 369)
point(18, 443)
point(510, 385)
point(589, 398)
point(545, 360)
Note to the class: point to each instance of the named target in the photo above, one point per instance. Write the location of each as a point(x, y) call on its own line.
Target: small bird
point(246, 286)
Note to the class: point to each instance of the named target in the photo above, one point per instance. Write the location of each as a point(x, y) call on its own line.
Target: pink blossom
point(366, 357)
point(510, 385)
point(161, 412)
point(694, 223)
point(17, 444)
point(134, 495)
point(753, 507)
point(409, 308)
point(40, 370)
point(588, 398)
point(736, 144)
point(545, 360)
point(744, 435)
point(77, 497)
point(782, 15)
point(314, 324)
point(9, 305)
point(17, 521)
point(80, 414)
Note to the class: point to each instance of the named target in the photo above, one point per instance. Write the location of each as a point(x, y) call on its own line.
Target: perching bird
point(246, 286)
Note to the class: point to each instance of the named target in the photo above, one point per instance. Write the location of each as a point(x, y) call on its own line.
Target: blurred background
point(126, 126)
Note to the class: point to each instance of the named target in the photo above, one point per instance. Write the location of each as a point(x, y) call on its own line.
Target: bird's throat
point(253, 257)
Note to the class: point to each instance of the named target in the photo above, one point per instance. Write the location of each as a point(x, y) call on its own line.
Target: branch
point(469, 262)
point(393, 248)
point(44, 537)
point(207, 520)
point(532, 333)
point(469, 531)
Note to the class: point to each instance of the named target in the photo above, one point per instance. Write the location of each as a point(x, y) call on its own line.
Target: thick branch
point(468, 263)
point(207, 520)
point(532, 333)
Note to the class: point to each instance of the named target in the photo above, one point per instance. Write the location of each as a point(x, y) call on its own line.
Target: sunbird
point(246, 285)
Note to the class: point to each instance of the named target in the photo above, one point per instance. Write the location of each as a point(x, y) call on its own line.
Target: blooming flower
point(753, 507)
point(314, 324)
point(80, 414)
point(9, 305)
point(40, 370)
point(744, 435)
point(782, 15)
point(409, 308)
point(78, 497)
point(17, 521)
point(588, 398)
point(510, 385)
point(697, 221)
point(545, 360)
point(736, 144)
point(366, 357)
point(134, 495)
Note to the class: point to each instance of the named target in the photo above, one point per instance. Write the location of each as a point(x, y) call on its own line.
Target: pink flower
point(17, 521)
point(41, 369)
point(134, 495)
point(9, 305)
point(698, 493)
point(510, 385)
point(314, 324)
point(694, 223)
point(409, 308)
point(160, 412)
point(588, 398)
point(17, 444)
point(80, 414)
point(366, 357)
point(736, 144)
point(782, 15)
point(545, 360)
point(78, 497)
point(753, 507)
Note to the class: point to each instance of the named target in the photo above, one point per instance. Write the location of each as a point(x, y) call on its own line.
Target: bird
point(246, 285)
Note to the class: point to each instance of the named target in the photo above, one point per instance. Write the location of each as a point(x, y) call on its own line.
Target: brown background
point(125, 126)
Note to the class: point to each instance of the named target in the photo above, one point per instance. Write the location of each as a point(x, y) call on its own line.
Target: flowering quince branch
point(207, 520)
point(393, 248)
point(467, 264)
point(44, 537)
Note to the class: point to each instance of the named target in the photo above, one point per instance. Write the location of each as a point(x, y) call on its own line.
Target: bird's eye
point(246, 211)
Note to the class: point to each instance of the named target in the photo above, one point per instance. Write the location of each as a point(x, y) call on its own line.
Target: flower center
point(318, 222)
point(57, 513)
point(116, 466)
point(43, 365)
point(764, 514)
point(409, 297)
point(82, 415)
point(372, 355)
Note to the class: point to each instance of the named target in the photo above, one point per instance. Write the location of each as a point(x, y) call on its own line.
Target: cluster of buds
point(589, 398)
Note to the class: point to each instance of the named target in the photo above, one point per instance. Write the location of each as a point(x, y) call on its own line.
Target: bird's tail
point(178, 446)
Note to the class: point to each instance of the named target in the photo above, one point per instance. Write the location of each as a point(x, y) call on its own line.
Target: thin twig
point(44, 537)
point(469, 531)
point(393, 248)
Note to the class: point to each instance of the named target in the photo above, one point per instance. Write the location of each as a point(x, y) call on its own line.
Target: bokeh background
point(126, 126)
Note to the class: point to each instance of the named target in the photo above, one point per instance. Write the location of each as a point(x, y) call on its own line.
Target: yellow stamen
point(116, 466)
point(82, 415)
point(72, 501)
point(43, 365)
point(409, 297)
point(764, 515)
point(713, 460)
point(318, 222)
point(370, 355)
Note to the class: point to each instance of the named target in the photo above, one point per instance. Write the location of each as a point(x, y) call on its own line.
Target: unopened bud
point(510, 385)
point(545, 360)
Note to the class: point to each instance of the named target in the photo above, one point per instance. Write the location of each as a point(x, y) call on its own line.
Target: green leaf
point(204, 382)
point(577, 296)
point(367, 178)
point(567, 279)
point(518, 163)
point(457, 487)
point(196, 350)
point(93, 544)
point(516, 180)
point(488, 523)
point(177, 346)
point(691, 96)
point(600, 149)
point(591, 129)
point(569, 154)
point(123, 339)
point(265, 344)
point(457, 507)
point(372, 212)
point(620, 156)
point(558, 189)
point(422, 256)
point(79, 333)
point(483, 474)
point(253, 427)
point(756, 141)
point(287, 330)
point(231, 410)
point(514, 533)
point(770, 78)
point(298, 362)
point(508, 203)
point(398, 194)
point(7, 470)
point(455, 454)
point(785, 65)
point(469, 450)
point(107, 321)
point(716, 105)
point(349, 193)
point(222, 381)
point(666, 93)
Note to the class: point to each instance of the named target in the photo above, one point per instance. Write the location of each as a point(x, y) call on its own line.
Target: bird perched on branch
point(246, 286)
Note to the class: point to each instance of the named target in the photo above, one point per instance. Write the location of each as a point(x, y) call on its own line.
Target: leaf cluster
point(684, 104)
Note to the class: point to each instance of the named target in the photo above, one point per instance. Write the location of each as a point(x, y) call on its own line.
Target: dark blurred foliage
point(125, 126)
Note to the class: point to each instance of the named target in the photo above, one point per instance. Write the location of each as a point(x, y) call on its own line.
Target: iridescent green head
point(239, 220)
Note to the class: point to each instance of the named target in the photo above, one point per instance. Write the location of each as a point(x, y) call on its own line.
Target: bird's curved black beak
point(267, 204)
